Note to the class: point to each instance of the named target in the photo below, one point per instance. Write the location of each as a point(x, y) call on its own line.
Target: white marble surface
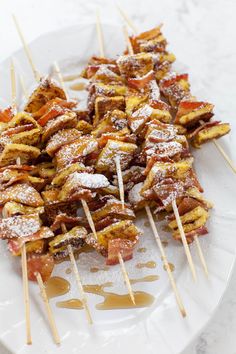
point(202, 34)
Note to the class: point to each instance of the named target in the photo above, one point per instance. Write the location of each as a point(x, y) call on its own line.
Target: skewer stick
point(201, 256)
point(80, 285)
point(120, 181)
point(58, 72)
point(180, 226)
point(130, 48)
point(27, 50)
point(89, 217)
point(100, 35)
point(77, 276)
point(23, 248)
point(184, 240)
point(13, 87)
point(126, 278)
point(127, 19)
point(165, 261)
point(119, 176)
point(26, 293)
point(225, 156)
point(216, 143)
point(51, 319)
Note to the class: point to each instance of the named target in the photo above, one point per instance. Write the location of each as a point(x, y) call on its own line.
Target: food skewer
point(23, 249)
point(118, 171)
point(83, 202)
point(229, 161)
point(48, 309)
point(78, 279)
point(175, 209)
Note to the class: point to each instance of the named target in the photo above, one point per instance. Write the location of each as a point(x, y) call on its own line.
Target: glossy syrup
point(56, 286)
point(147, 278)
point(113, 301)
point(74, 304)
point(171, 265)
point(80, 86)
point(149, 264)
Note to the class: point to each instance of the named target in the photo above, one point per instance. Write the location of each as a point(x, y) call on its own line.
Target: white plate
point(159, 328)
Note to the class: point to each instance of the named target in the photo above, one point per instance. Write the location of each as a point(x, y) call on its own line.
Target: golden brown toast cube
point(113, 148)
point(61, 138)
point(26, 153)
point(46, 91)
point(106, 104)
point(210, 133)
point(135, 65)
point(65, 121)
point(122, 229)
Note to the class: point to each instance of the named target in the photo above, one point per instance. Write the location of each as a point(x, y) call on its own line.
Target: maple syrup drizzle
point(68, 270)
point(80, 86)
point(149, 264)
point(74, 304)
point(56, 286)
point(95, 269)
point(147, 278)
point(142, 250)
point(171, 265)
point(115, 301)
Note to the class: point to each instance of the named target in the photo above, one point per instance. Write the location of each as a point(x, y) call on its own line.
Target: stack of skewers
point(129, 150)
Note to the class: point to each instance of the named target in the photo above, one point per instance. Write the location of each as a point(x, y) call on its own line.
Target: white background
point(202, 34)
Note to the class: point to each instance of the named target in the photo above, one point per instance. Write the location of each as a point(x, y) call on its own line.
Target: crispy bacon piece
point(168, 190)
point(66, 219)
point(113, 208)
point(52, 113)
point(190, 235)
point(139, 83)
point(64, 121)
point(46, 91)
point(6, 115)
point(208, 131)
point(191, 112)
point(123, 246)
point(40, 263)
point(15, 244)
point(149, 41)
point(56, 101)
point(175, 88)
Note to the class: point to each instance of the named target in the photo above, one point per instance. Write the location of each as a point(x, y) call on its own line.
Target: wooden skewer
point(100, 35)
point(13, 87)
point(165, 261)
point(201, 255)
point(127, 19)
point(126, 278)
point(26, 293)
point(27, 50)
point(179, 223)
point(77, 277)
point(80, 285)
point(226, 157)
point(23, 248)
point(216, 143)
point(130, 48)
point(120, 180)
point(51, 319)
point(84, 203)
point(184, 240)
point(58, 72)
